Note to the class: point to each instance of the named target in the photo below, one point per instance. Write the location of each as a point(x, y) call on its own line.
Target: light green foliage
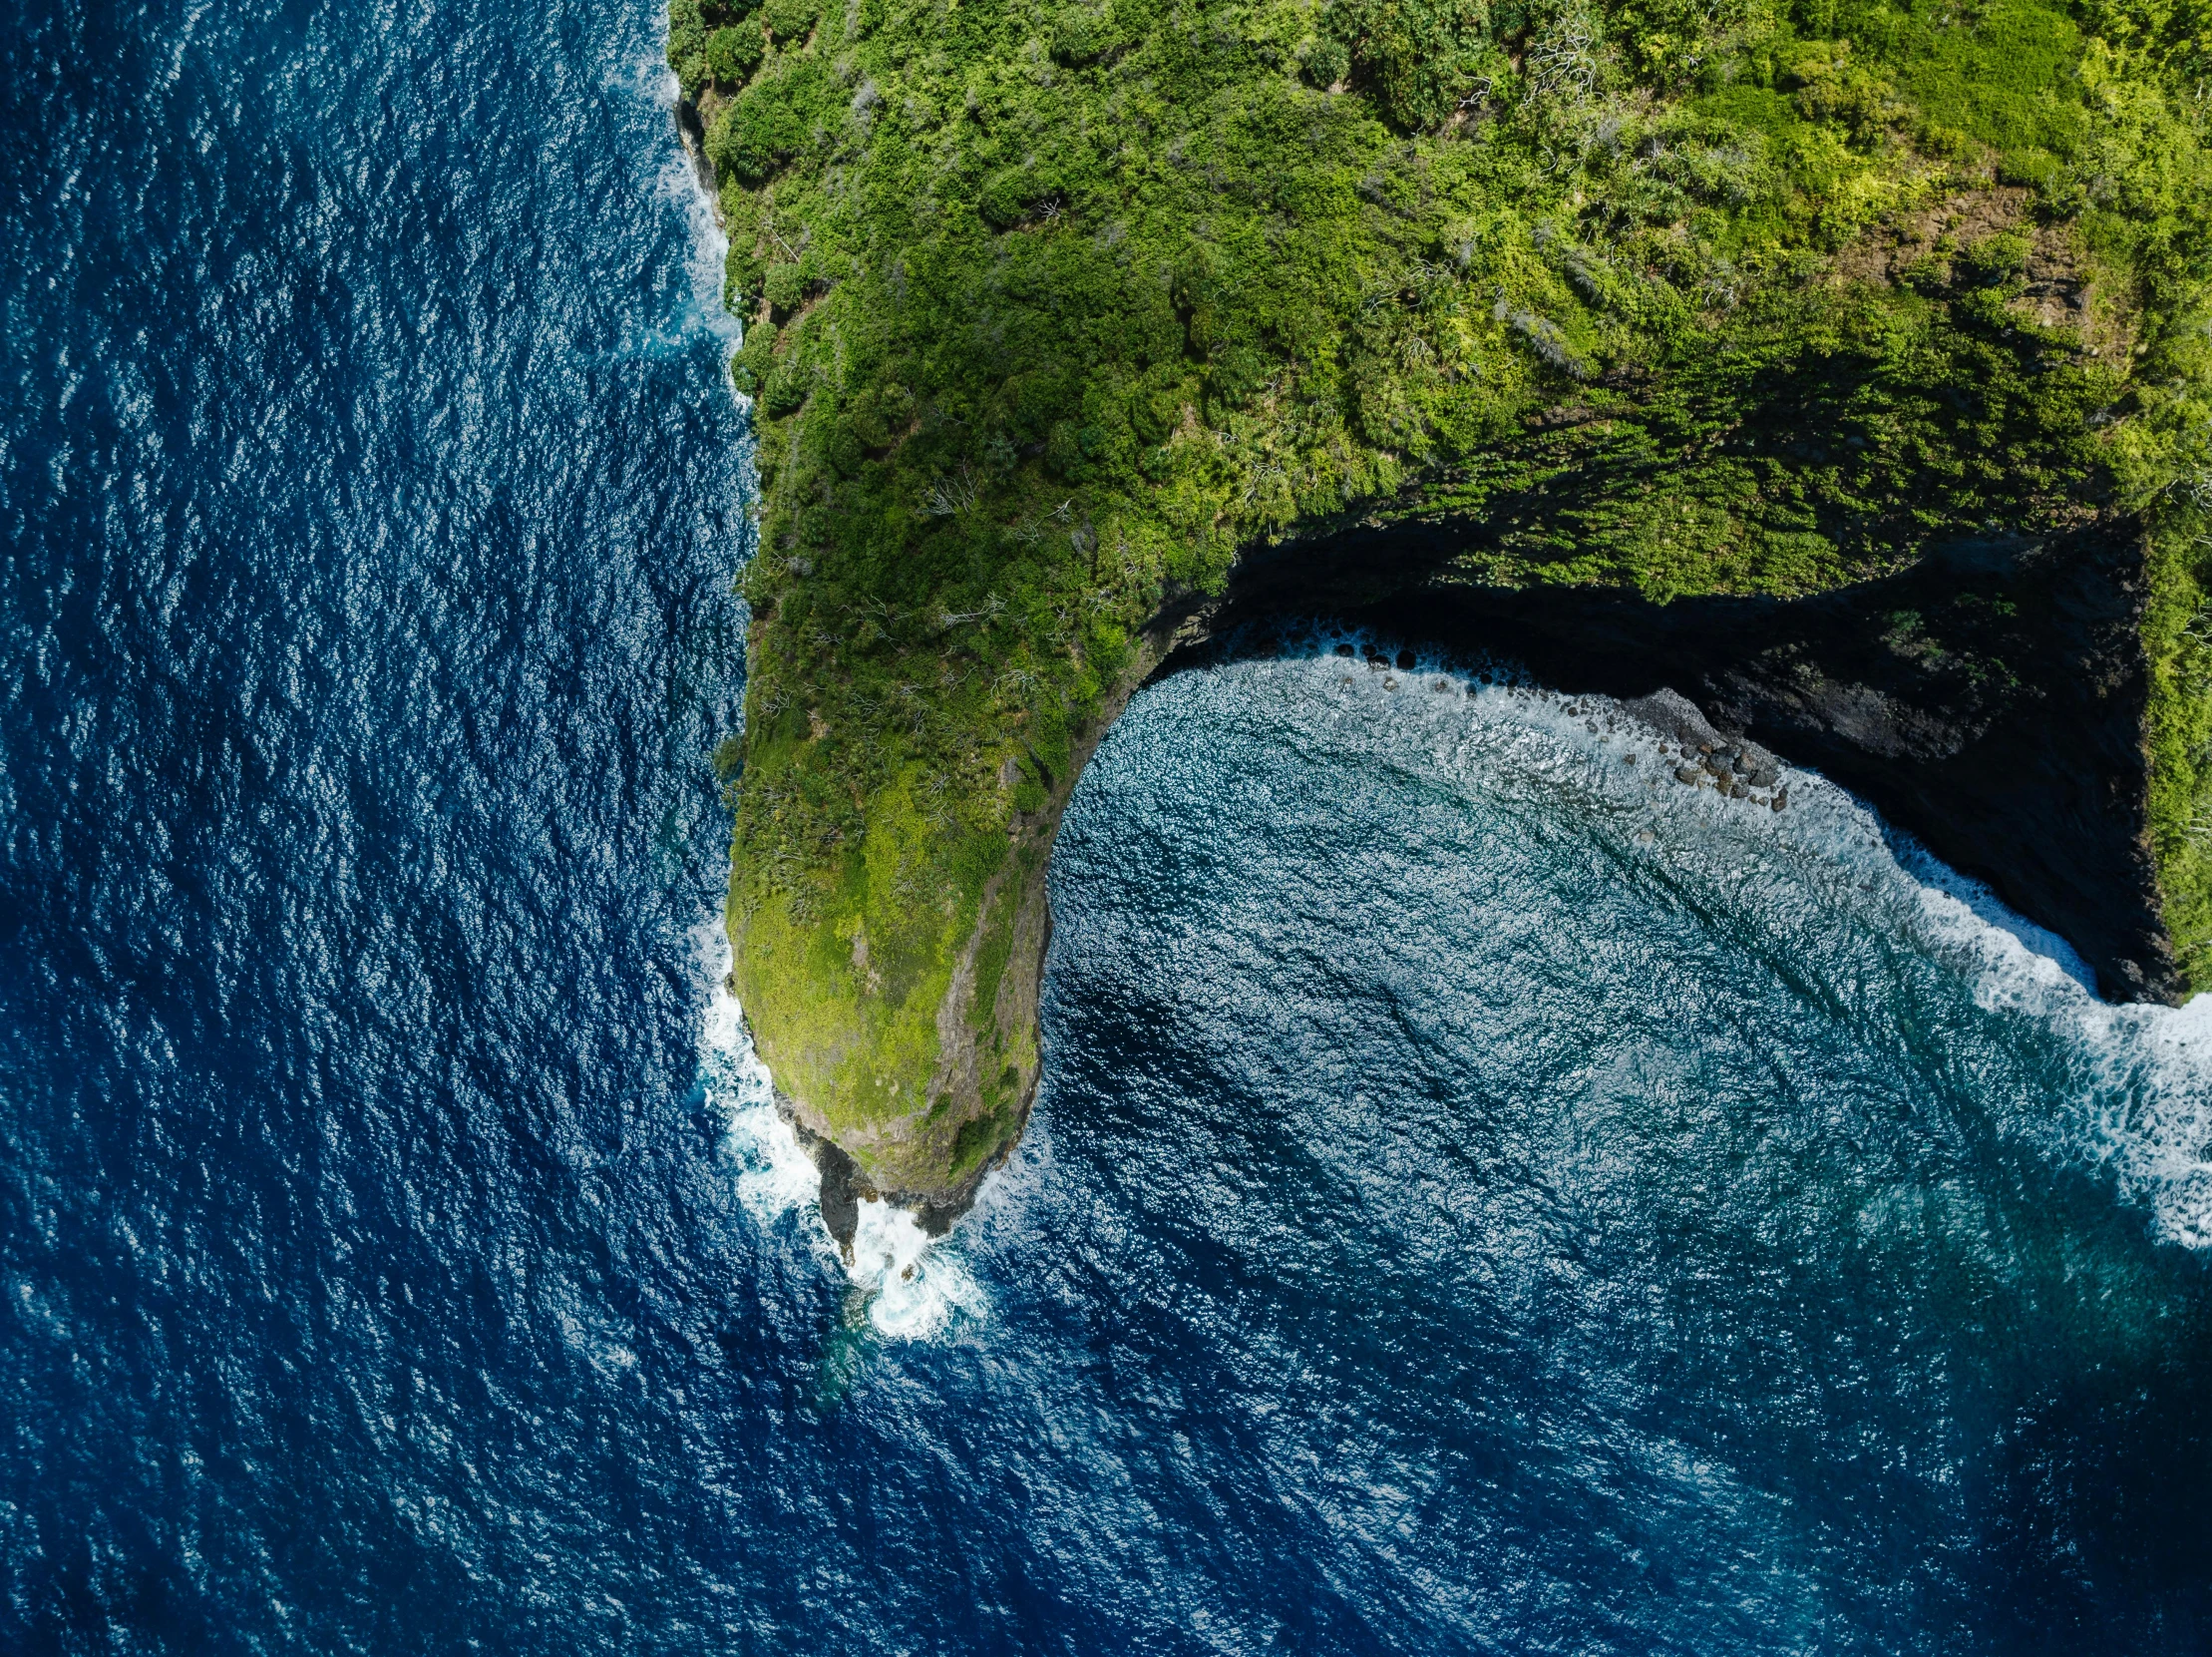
point(2140, 188)
point(2169, 463)
point(1081, 300)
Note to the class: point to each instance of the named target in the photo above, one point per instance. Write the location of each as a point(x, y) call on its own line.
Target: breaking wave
point(2141, 1105)
point(914, 1286)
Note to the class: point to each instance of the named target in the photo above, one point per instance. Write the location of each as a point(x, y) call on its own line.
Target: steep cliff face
point(1991, 701)
point(1842, 364)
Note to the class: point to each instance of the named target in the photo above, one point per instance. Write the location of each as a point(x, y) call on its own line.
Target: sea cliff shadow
point(1988, 701)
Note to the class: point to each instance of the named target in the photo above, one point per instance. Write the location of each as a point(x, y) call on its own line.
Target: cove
point(1535, 1204)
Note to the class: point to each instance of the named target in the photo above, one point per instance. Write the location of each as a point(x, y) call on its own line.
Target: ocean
point(1483, 1195)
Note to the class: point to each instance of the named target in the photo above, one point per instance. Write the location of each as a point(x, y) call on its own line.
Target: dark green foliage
point(1423, 56)
point(764, 127)
point(981, 1138)
point(784, 286)
point(687, 33)
point(734, 53)
point(688, 38)
point(789, 20)
point(1016, 194)
point(1328, 62)
point(749, 368)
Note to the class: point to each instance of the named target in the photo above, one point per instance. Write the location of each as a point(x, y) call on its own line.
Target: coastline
point(1872, 513)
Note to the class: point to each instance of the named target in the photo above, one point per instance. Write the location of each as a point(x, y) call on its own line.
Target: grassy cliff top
point(1056, 309)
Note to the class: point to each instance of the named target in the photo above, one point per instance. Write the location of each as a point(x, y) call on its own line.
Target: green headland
point(1054, 313)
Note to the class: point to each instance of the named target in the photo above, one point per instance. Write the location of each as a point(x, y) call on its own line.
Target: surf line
point(915, 1285)
point(2141, 1105)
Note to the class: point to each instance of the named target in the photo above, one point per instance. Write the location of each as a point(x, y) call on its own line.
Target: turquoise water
point(1484, 1197)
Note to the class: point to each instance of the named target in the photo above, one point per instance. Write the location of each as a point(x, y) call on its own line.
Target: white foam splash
point(2148, 1111)
point(708, 256)
point(916, 1284)
point(776, 1176)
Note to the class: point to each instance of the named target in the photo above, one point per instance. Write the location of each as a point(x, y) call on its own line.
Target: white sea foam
point(2142, 1089)
point(915, 1285)
point(708, 254)
point(776, 1176)
point(2147, 1106)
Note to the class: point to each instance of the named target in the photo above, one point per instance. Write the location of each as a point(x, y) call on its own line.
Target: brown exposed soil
point(1916, 250)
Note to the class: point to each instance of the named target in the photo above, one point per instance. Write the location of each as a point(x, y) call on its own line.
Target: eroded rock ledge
point(1845, 369)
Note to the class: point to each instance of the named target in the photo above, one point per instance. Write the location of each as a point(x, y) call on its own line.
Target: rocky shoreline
point(2001, 726)
point(1912, 499)
point(1736, 769)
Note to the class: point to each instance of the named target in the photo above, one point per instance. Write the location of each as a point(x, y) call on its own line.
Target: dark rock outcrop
point(1988, 701)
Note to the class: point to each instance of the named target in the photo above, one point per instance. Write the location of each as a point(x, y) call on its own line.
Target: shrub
point(1329, 62)
point(785, 286)
point(1078, 35)
point(784, 390)
point(741, 278)
point(1998, 261)
point(733, 53)
point(1011, 196)
point(749, 368)
point(1422, 52)
point(752, 134)
point(789, 20)
point(844, 449)
point(688, 35)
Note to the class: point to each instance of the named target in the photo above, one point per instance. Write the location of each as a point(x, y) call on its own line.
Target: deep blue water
point(1480, 1201)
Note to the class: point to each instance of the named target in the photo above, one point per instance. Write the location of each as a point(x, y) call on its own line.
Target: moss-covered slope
point(1056, 311)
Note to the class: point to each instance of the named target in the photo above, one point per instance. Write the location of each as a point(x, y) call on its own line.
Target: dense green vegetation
point(1058, 308)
